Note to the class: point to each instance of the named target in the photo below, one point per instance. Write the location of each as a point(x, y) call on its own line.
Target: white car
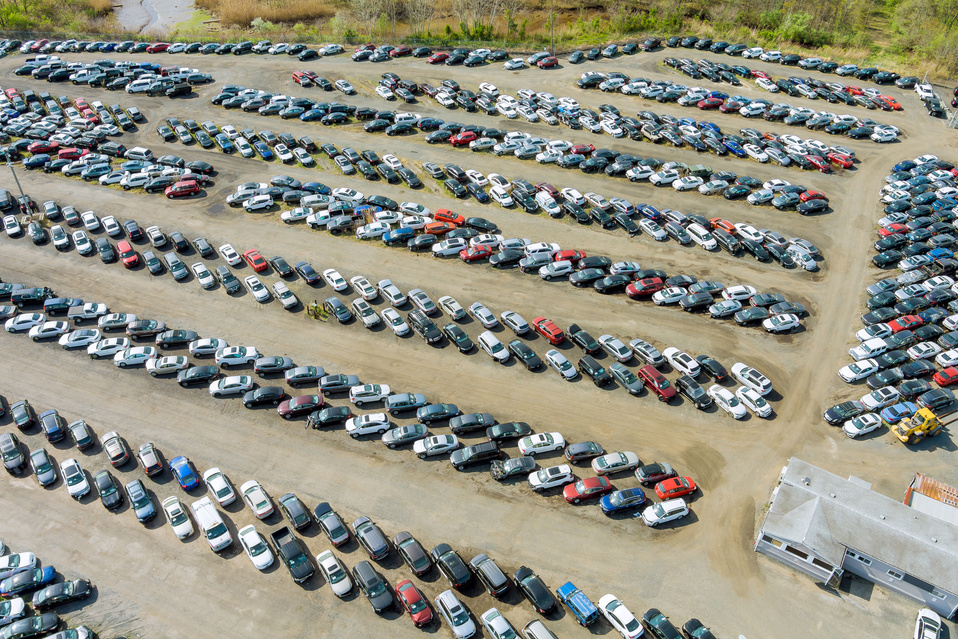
point(752, 378)
point(655, 231)
point(236, 356)
point(167, 365)
point(869, 348)
point(624, 268)
point(682, 361)
point(493, 347)
point(16, 563)
point(687, 183)
point(233, 385)
point(784, 323)
point(435, 445)
point(861, 425)
point(12, 226)
point(927, 625)
point(415, 222)
point(883, 330)
point(73, 476)
point(947, 358)
point(701, 236)
point(256, 498)
point(514, 64)
point(768, 85)
point(49, 330)
point(348, 195)
point(501, 197)
point(372, 231)
point(259, 292)
point(107, 347)
point(670, 295)
point(80, 338)
point(664, 512)
point(230, 255)
point(924, 350)
point(362, 286)
point(620, 617)
point(255, 547)
point(134, 356)
point(451, 307)
point(298, 214)
point(90, 221)
point(615, 462)
point(483, 315)
point(285, 296)
point(450, 247)
point(203, 275)
point(885, 396)
point(219, 486)
point(486, 239)
point(551, 477)
point(739, 292)
point(728, 402)
point(754, 402)
point(858, 370)
point(541, 443)
point(371, 424)
point(713, 186)
point(335, 573)
point(664, 177)
point(206, 346)
point(391, 292)
point(178, 517)
point(749, 232)
point(111, 226)
point(755, 152)
point(368, 393)
point(615, 348)
point(394, 321)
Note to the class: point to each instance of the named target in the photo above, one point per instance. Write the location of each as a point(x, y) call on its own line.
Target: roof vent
point(934, 540)
point(807, 481)
point(881, 516)
point(832, 495)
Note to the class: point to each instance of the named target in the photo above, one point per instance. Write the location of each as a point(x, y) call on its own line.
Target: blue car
point(52, 425)
point(398, 236)
point(649, 211)
point(184, 473)
point(734, 148)
point(264, 151)
point(940, 252)
point(687, 121)
point(312, 115)
point(622, 500)
point(322, 189)
point(27, 581)
point(36, 161)
point(894, 414)
point(710, 125)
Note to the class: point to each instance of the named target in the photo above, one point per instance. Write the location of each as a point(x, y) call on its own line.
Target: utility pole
point(552, 25)
point(20, 188)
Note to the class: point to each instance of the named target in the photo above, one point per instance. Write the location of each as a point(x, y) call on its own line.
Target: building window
point(821, 564)
point(895, 575)
point(796, 552)
point(938, 594)
point(864, 560)
point(770, 540)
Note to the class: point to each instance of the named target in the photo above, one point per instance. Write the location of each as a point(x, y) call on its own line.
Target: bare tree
point(366, 12)
point(420, 14)
point(394, 10)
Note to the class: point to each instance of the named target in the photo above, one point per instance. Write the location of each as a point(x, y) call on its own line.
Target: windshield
point(459, 616)
point(178, 517)
point(216, 531)
point(74, 476)
point(616, 499)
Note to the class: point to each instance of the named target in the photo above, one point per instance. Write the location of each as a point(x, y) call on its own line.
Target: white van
point(211, 524)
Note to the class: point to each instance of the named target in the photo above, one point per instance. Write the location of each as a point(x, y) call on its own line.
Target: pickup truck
point(89, 311)
point(29, 296)
point(290, 550)
point(578, 604)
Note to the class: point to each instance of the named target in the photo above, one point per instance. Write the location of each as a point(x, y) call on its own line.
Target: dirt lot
point(148, 585)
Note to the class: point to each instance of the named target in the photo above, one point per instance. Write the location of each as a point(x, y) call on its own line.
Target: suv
point(486, 451)
point(592, 369)
point(424, 326)
point(491, 576)
point(656, 383)
point(227, 279)
point(14, 461)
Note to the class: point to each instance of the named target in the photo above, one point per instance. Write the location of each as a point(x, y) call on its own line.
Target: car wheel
point(153, 373)
point(459, 467)
point(225, 365)
point(423, 456)
point(122, 364)
point(354, 435)
point(576, 500)
point(248, 405)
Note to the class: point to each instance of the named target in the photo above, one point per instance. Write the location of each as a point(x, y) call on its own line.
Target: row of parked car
point(664, 91)
point(24, 615)
point(911, 320)
point(135, 77)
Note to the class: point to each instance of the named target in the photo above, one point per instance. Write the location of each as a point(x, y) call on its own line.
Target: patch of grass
point(194, 24)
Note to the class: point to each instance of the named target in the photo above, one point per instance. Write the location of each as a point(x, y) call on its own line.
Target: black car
point(583, 339)
point(535, 590)
point(657, 624)
point(712, 368)
point(458, 337)
point(412, 553)
point(613, 284)
point(525, 354)
point(174, 338)
point(451, 565)
point(693, 391)
point(840, 413)
point(267, 395)
point(486, 451)
point(912, 388)
point(62, 593)
point(197, 375)
point(328, 416)
point(470, 422)
point(750, 316)
point(436, 412)
point(335, 307)
point(937, 398)
point(590, 368)
point(109, 490)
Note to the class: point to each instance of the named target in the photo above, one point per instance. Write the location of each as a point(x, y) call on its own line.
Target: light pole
point(552, 25)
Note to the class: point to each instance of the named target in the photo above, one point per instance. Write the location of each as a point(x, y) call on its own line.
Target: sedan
point(615, 462)
point(725, 400)
point(620, 617)
point(184, 473)
point(586, 489)
point(256, 498)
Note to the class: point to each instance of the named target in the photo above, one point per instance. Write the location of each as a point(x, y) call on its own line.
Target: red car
point(819, 163)
point(127, 255)
point(42, 146)
point(675, 487)
point(946, 376)
point(184, 188)
point(656, 383)
point(366, 47)
point(586, 489)
point(759, 74)
point(414, 603)
point(732, 106)
point(547, 63)
point(808, 196)
point(548, 329)
point(545, 187)
point(582, 149)
point(158, 47)
point(475, 253)
point(892, 229)
point(463, 139)
point(436, 58)
point(300, 76)
point(299, 406)
point(438, 228)
point(569, 254)
point(892, 102)
point(255, 260)
point(71, 153)
point(81, 104)
point(905, 323)
point(842, 160)
point(445, 215)
point(771, 135)
point(11, 93)
point(644, 288)
point(853, 90)
point(399, 52)
point(710, 103)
